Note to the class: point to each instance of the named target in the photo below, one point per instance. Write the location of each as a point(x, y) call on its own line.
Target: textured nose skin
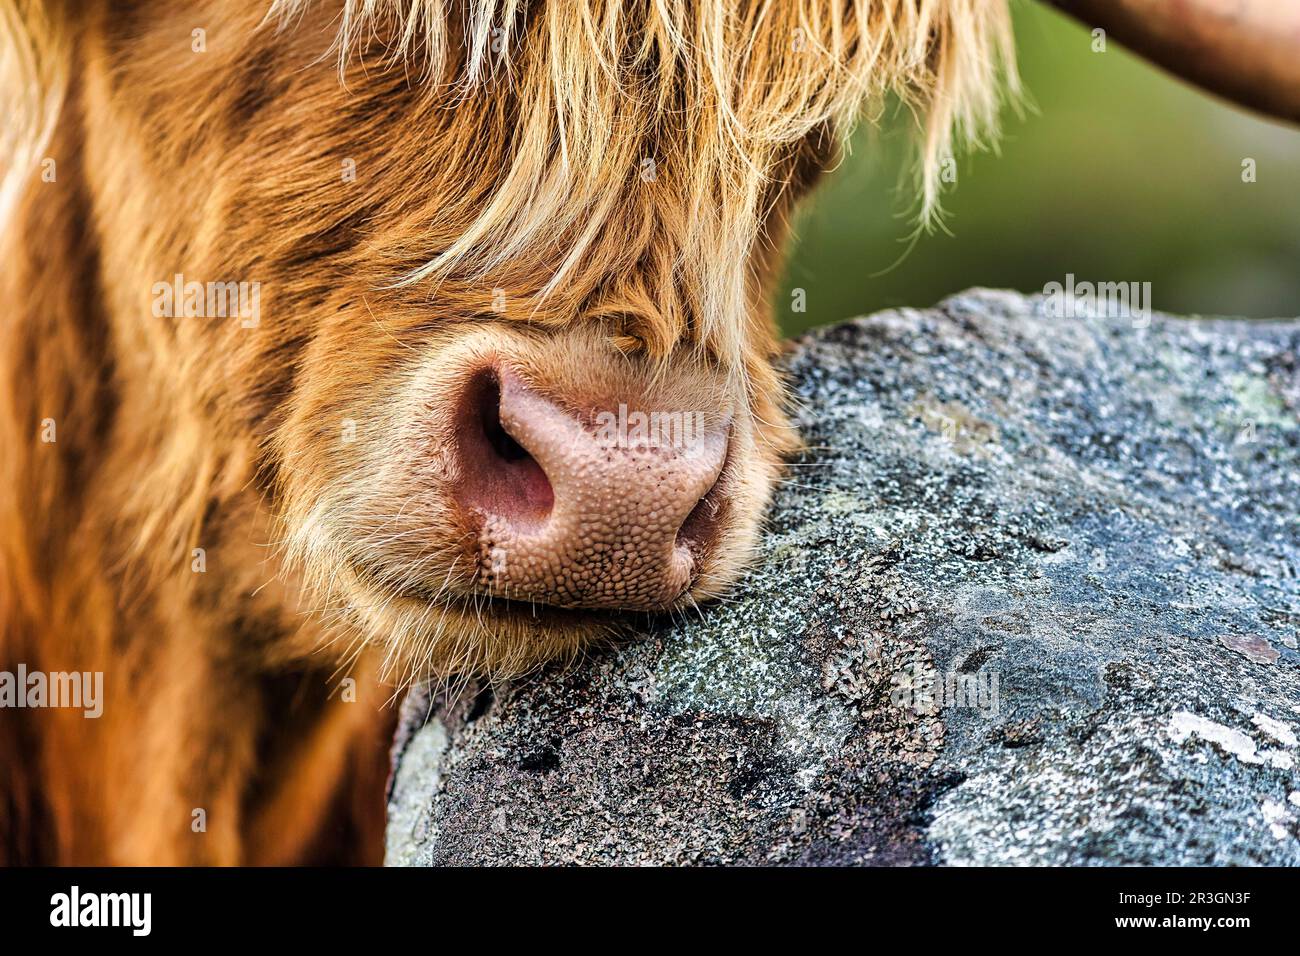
point(611, 538)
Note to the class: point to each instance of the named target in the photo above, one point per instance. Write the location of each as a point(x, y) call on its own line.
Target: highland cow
point(472, 228)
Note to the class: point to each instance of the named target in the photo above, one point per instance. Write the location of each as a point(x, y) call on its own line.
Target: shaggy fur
point(596, 192)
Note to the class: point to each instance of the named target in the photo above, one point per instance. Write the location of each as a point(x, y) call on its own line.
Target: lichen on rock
point(1031, 596)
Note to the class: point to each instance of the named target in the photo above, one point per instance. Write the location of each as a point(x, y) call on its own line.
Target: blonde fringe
point(714, 93)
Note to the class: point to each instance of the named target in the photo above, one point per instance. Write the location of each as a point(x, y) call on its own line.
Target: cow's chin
point(429, 633)
point(493, 637)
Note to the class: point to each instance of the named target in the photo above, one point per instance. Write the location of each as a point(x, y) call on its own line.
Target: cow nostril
point(699, 531)
point(501, 478)
point(500, 440)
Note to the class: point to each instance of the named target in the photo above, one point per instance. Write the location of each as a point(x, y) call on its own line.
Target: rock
point(1030, 597)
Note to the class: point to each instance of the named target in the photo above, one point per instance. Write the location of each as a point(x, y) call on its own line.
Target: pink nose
point(610, 510)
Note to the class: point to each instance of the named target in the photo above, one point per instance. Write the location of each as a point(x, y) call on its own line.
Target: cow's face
point(503, 348)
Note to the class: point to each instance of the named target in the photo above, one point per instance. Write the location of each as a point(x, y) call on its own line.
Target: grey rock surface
point(1031, 597)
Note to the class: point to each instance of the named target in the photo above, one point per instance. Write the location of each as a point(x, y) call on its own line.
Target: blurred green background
point(1115, 172)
